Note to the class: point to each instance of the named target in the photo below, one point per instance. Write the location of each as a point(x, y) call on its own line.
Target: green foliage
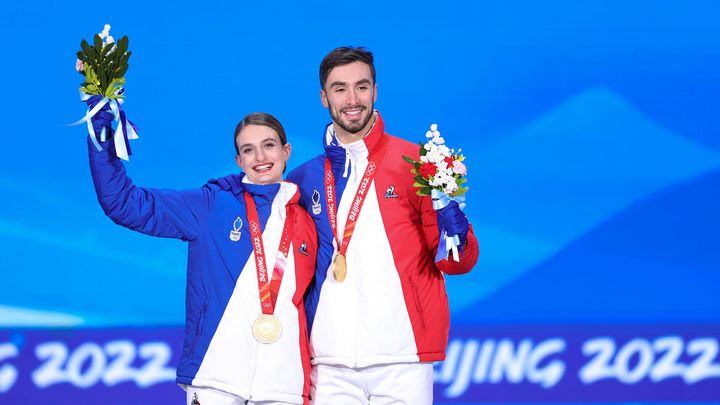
point(105, 66)
point(425, 191)
point(460, 191)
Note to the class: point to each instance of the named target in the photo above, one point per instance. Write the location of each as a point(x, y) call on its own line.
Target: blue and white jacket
point(222, 298)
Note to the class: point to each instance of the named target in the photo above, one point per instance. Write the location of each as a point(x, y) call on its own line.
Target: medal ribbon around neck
point(357, 201)
point(268, 289)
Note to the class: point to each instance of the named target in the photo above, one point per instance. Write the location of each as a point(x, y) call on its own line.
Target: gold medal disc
point(266, 329)
point(340, 268)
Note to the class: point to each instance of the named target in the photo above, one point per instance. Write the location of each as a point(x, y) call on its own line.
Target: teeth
point(263, 167)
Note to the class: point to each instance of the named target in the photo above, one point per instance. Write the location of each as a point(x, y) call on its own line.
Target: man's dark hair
point(260, 118)
point(345, 55)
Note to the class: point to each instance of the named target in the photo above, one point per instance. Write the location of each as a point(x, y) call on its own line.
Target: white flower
point(433, 127)
point(109, 40)
point(105, 32)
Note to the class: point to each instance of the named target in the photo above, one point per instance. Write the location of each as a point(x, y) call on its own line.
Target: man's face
point(350, 93)
point(262, 156)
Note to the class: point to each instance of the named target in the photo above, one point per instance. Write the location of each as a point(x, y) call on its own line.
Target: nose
point(352, 97)
point(260, 155)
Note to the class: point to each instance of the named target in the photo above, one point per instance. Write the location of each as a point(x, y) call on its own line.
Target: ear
point(375, 93)
point(287, 148)
point(323, 98)
point(239, 162)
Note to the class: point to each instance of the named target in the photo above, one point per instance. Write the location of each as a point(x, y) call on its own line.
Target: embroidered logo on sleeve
point(303, 249)
point(195, 397)
point(235, 233)
point(390, 192)
point(316, 207)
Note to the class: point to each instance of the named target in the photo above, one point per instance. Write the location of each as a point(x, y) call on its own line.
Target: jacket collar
point(263, 194)
point(343, 154)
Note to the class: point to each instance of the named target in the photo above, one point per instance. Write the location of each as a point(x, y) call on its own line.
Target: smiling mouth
point(263, 167)
point(353, 113)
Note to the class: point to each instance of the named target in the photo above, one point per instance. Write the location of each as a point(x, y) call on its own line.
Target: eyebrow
point(363, 81)
point(263, 141)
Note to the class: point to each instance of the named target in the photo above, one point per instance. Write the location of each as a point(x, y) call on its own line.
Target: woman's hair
point(260, 118)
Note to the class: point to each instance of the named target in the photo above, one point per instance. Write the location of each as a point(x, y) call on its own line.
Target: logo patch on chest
point(235, 233)
point(390, 192)
point(316, 207)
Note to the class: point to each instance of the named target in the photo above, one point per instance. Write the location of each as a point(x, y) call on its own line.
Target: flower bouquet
point(104, 64)
point(440, 174)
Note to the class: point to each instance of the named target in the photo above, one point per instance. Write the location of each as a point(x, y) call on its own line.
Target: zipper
point(201, 320)
point(418, 307)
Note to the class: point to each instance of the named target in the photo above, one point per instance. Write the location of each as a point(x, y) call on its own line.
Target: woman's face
point(262, 157)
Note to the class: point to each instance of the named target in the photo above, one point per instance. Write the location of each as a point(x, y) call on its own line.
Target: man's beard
point(353, 127)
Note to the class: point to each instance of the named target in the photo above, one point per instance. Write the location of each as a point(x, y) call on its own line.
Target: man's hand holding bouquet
point(440, 174)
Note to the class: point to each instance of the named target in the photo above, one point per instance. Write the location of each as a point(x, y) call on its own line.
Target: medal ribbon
point(357, 202)
point(268, 289)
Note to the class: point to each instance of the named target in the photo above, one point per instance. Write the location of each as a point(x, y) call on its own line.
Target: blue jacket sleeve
point(164, 213)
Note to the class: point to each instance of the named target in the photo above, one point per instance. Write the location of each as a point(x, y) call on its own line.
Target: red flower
point(449, 161)
point(427, 169)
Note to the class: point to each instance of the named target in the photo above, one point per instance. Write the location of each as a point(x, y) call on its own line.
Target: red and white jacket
point(392, 307)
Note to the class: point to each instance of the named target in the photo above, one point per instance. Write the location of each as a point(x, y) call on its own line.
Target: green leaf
point(462, 180)
point(421, 180)
point(81, 56)
point(460, 191)
point(418, 185)
point(91, 54)
point(97, 43)
point(90, 88)
point(114, 84)
point(122, 44)
point(425, 191)
point(106, 50)
point(90, 74)
point(423, 152)
point(409, 160)
point(121, 71)
point(84, 45)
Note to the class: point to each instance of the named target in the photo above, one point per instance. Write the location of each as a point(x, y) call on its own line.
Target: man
point(379, 314)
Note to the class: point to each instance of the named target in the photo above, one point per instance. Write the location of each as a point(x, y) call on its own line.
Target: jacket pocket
point(201, 320)
point(198, 327)
point(418, 306)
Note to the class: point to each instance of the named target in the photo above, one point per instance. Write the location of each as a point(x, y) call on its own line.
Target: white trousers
point(210, 396)
point(386, 384)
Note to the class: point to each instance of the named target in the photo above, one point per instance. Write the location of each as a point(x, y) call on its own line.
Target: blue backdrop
point(594, 165)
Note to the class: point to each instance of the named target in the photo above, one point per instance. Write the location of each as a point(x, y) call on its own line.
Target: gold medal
point(339, 268)
point(266, 329)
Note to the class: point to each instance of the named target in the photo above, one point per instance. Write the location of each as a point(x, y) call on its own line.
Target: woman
point(251, 256)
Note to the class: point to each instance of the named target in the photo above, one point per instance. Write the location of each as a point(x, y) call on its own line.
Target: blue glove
point(103, 118)
point(453, 221)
